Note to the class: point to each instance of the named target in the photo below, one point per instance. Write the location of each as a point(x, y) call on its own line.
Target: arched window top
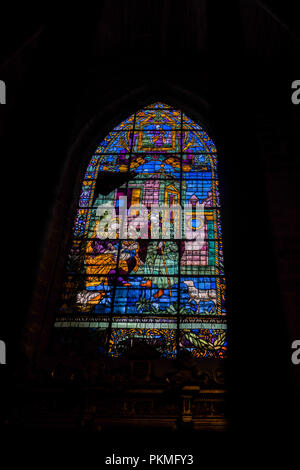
point(152, 118)
point(154, 287)
point(158, 114)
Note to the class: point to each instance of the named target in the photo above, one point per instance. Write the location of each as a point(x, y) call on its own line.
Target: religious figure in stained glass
point(156, 175)
point(161, 261)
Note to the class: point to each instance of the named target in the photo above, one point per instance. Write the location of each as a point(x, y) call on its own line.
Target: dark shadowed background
point(234, 65)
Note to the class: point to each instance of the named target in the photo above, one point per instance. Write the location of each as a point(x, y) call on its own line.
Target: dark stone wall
point(79, 76)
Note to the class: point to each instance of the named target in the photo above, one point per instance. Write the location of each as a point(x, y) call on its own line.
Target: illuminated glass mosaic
point(151, 289)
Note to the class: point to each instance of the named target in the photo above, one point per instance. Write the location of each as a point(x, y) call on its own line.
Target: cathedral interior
point(73, 78)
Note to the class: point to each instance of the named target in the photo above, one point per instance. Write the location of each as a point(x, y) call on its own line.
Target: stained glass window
point(141, 278)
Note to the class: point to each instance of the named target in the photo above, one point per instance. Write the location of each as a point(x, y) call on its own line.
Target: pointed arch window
point(149, 288)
